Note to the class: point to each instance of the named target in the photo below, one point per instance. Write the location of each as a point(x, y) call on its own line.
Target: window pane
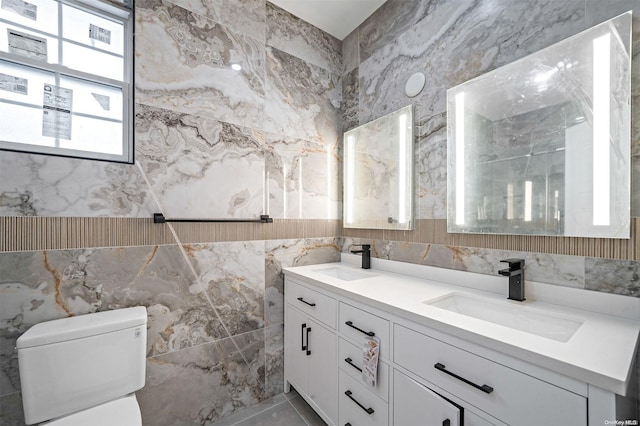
point(89, 134)
point(94, 99)
point(35, 80)
point(90, 61)
point(52, 44)
point(22, 125)
point(106, 34)
point(46, 12)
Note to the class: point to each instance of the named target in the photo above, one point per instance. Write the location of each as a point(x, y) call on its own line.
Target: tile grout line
point(298, 412)
point(258, 413)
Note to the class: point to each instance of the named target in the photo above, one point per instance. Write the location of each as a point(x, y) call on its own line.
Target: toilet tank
point(71, 364)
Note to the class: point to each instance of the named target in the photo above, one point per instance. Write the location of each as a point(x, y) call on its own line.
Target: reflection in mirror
point(542, 146)
point(378, 173)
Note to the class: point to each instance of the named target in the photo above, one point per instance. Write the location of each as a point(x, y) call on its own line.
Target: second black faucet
point(515, 272)
point(366, 254)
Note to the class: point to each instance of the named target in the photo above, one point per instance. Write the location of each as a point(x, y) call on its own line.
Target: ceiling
point(336, 17)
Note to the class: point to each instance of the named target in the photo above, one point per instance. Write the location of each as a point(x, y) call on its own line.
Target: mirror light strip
point(601, 111)
point(300, 188)
point(459, 166)
point(510, 201)
point(528, 187)
point(329, 182)
point(402, 170)
point(284, 191)
point(350, 177)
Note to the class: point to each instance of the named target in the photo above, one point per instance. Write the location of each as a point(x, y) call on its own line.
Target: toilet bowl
point(84, 370)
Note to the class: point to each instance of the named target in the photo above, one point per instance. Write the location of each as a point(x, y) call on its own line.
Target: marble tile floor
point(281, 410)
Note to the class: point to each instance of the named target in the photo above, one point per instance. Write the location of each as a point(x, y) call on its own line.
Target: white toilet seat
point(123, 411)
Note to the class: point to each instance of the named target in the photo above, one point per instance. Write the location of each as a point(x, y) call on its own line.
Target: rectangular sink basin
point(344, 274)
point(507, 314)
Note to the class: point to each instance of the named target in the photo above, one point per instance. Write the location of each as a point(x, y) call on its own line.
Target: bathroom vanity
point(454, 350)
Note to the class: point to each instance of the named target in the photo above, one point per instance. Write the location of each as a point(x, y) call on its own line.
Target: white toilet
point(83, 370)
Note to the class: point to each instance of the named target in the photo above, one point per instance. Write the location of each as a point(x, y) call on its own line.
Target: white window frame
point(103, 10)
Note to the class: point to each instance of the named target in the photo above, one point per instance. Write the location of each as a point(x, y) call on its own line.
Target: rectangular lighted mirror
point(542, 146)
point(378, 173)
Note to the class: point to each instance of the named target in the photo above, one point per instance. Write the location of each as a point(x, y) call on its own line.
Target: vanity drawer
point(311, 302)
point(355, 323)
point(361, 407)
point(507, 394)
point(351, 360)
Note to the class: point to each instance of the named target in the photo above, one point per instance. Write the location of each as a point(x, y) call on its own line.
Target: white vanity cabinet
point(426, 376)
point(311, 348)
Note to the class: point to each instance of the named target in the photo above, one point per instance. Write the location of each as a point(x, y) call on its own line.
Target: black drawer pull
point(446, 422)
point(304, 347)
point(483, 388)
point(368, 410)
point(350, 362)
point(304, 301)
point(368, 333)
point(308, 345)
point(347, 424)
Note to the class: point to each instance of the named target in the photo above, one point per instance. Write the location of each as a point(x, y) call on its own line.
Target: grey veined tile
point(457, 41)
point(302, 99)
point(183, 63)
point(204, 383)
point(301, 178)
point(41, 286)
point(613, 276)
point(41, 185)
point(286, 253)
point(246, 17)
point(187, 158)
point(301, 39)
point(233, 274)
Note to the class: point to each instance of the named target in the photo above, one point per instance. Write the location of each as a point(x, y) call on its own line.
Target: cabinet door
point(295, 342)
point(323, 369)
point(414, 404)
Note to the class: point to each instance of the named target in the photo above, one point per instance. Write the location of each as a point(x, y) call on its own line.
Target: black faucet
point(366, 254)
point(516, 278)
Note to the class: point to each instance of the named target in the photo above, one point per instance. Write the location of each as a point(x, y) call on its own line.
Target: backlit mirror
point(542, 146)
point(378, 173)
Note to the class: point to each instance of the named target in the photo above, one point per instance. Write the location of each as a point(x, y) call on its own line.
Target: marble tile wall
point(210, 142)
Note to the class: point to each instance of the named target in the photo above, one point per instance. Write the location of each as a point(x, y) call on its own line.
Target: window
point(66, 77)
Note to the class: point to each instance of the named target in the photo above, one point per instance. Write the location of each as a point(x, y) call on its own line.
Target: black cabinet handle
point(350, 362)
point(308, 345)
point(368, 333)
point(304, 301)
point(446, 422)
point(304, 348)
point(347, 424)
point(483, 388)
point(368, 410)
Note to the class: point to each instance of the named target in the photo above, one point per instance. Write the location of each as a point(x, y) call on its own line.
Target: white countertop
point(601, 352)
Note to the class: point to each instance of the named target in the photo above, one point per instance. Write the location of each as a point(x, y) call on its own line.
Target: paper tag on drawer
point(370, 350)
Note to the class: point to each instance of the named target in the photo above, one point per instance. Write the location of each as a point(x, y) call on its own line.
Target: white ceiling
point(336, 17)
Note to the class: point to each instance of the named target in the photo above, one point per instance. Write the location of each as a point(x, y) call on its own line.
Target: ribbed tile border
point(434, 231)
point(27, 233)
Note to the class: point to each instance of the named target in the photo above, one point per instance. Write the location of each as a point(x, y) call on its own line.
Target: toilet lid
point(123, 411)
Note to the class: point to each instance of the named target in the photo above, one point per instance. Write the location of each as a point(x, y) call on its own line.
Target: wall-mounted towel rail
point(264, 218)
